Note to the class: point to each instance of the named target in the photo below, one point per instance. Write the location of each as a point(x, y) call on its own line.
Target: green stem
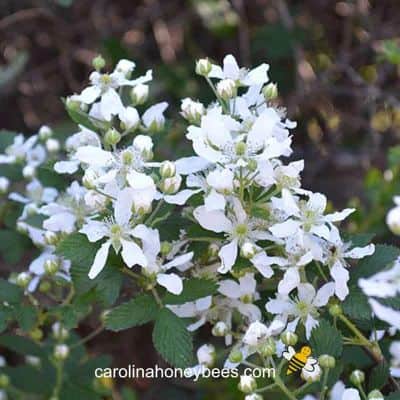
point(302, 389)
point(324, 388)
point(157, 297)
point(88, 337)
point(284, 389)
point(266, 388)
point(154, 213)
point(59, 378)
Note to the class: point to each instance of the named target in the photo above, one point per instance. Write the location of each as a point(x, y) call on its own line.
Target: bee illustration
point(300, 361)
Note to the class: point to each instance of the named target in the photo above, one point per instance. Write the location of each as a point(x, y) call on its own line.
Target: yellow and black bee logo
point(300, 361)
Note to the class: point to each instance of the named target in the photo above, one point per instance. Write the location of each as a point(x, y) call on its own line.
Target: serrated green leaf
point(13, 245)
point(135, 312)
point(379, 376)
point(193, 289)
point(356, 304)
point(21, 345)
point(109, 285)
point(9, 292)
point(172, 340)
point(326, 339)
point(26, 316)
point(383, 256)
point(359, 240)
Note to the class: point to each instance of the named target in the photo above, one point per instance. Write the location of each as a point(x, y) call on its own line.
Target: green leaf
point(172, 340)
point(13, 245)
point(393, 396)
point(356, 304)
point(359, 240)
point(9, 292)
point(379, 376)
point(383, 256)
point(135, 312)
point(193, 289)
point(26, 316)
point(109, 285)
point(128, 394)
point(81, 118)
point(6, 139)
point(394, 156)
point(21, 345)
point(81, 253)
point(326, 339)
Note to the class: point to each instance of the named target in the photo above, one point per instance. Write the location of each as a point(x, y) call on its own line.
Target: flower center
point(241, 230)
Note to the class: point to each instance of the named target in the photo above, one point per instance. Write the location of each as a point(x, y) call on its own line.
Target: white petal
point(285, 229)
point(215, 221)
point(309, 325)
point(229, 288)
point(257, 76)
point(263, 263)
point(262, 128)
point(360, 252)
point(150, 240)
point(94, 230)
point(178, 261)
point(100, 260)
point(110, 104)
point(181, 197)
point(228, 254)
point(306, 292)
point(387, 314)
point(89, 95)
point(324, 294)
point(350, 394)
point(172, 282)
point(278, 306)
point(214, 201)
point(93, 155)
point(190, 165)
point(139, 180)
point(341, 276)
point(63, 222)
point(340, 215)
point(66, 167)
point(132, 254)
point(123, 206)
point(231, 68)
point(291, 280)
point(154, 113)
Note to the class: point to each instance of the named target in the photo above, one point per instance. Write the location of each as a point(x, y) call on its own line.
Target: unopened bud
point(212, 250)
point(61, 352)
point(167, 169)
point(51, 266)
point(235, 356)
point(98, 63)
point(45, 133)
point(28, 172)
point(248, 250)
point(166, 248)
point(59, 332)
point(36, 334)
point(171, 185)
point(51, 238)
point(357, 377)
point(220, 329)
point(4, 184)
point(327, 361)
point(139, 94)
point(289, 338)
point(226, 89)
point(203, 67)
point(192, 110)
point(270, 91)
point(253, 396)
point(112, 137)
point(268, 348)
point(247, 384)
point(335, 310)
point(206, 355)
point(375, 395)
point(52, 145)
point(23, 279)
point(44, 287)
point(4, 381)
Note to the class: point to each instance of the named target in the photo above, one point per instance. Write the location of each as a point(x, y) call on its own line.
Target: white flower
point(18, 150)
point(105, 86)
point(119, 234)
point(257, 76)
point(153, 118)
point(257, 332)
point(351, 394)
point(139, 94)
point(192, 110)
point(395, 362)
point(4, 184)
point(206, 355)
point(393, 217)
point(226, 88)
point(129, 118)
point(303, 307)
point(221, 180)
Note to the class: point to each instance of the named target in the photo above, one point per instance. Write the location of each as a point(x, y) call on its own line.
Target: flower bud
point(248, 250)
point(192, 110)
point(252, 165)
point(22, 227)
point(130, 119)
point(52, 145)
point(125, 67)
point(144, 144)
point(203, 67)
point(171, 185)
point(61, 352)
point(357, 377)
point(98, 63)
point(139, 94)
point(31, 209)
point(270, 91)
point(166, 248)
point(240, 148)
point(375, 395)
point(253, 396)
point(289, 338)
point(33, 360)
point(4, 381)
point(89, 179)
point(268, 348)
point(206, 355)
point(44, 287)
point(45, 133)
point(326, 361)
point(51, 238)
point(73, 105)
point(335, 310)
point(28, 172)
point(226, 89)
point(167, 169)
point(112, 137)
point(23, 279)
point(59, 332)
point(4, 184)
point(235, 356)
point(51, 266)
point(220, 329)
point(393, 220)
point(212, 250)
point(247, 384)
point(313, 376)
point(104, 315)
point(36, 334)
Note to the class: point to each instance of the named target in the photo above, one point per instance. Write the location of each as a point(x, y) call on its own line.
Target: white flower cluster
point(263, 229)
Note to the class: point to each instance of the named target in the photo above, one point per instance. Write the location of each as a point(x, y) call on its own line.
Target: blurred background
point(336, 64)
